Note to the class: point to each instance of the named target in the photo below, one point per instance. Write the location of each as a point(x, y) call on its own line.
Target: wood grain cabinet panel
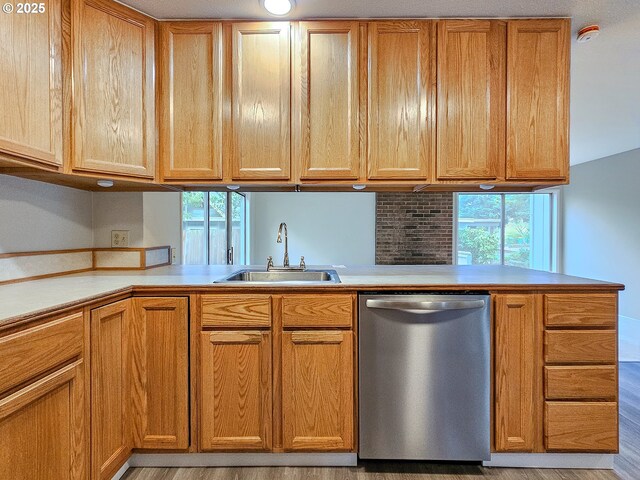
point(580, 382)
point(159, 356)
point(581, 426)
point(260, 101)
point(516, 375)
point(42, 428)
point(113, 106)
point(243, 310)
point(581, 310)
point(111, 439)
point(401, 76)
point(309, 311)
point(235, 398)
point(191, 88)
point(317, 391)
point(31, 79)
point(580, 346)
point(471, 99)
point(538, 99)
point(328, 100)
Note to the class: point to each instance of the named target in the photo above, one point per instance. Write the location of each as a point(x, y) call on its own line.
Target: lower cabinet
point(277, 384)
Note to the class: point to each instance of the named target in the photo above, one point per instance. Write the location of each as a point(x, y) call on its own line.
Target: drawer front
point(581, 426)
point(310, 311)
point(29, 353)
point(581, 346)
point(236, 311)
point(569, 383)
point(581, 310)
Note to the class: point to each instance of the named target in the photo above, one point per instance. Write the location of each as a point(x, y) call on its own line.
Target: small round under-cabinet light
point(105, 183)
point(233, 187)
point(486, 186)
point(278, 8)
point(359, 187)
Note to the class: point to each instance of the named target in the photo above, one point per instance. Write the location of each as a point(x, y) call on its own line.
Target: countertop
point(29, 299)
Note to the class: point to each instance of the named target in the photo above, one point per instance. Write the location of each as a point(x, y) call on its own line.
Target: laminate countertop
point(30, 299)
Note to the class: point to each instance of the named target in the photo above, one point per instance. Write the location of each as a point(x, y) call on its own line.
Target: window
point(214, 228)
point(517, 229)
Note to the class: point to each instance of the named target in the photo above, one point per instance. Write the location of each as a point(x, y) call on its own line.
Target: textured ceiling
point(605, 73)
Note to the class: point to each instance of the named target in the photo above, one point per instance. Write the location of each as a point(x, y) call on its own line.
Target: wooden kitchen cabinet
point(317, 390)
point(538, 99)
point(190, 74)
point(113, 100)
point(401, 99)
point(111, 430)
point(260, 101)
point(235, 401)
point(327, 95)
point(471, 105)
point(159, 378)
point(31, 79)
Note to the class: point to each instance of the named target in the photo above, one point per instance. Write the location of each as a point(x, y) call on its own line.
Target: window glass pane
point(479, 229)
point(217, 228)
point(528, 230)
point(238, 228)
point(194, 244)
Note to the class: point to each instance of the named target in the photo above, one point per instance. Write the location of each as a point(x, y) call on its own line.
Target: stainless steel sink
point(282, 276)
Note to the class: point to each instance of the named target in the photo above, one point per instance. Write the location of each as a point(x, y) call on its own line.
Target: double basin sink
point(281, 276)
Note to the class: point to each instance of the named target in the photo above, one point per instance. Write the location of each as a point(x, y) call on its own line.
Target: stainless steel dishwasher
point(424, 376)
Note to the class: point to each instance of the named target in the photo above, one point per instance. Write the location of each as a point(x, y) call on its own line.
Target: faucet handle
point(302, 264)
point(269, 262)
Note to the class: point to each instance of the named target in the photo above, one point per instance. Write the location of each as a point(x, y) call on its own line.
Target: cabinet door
point(260, 89)
point(113, 110)
point(517, 376)
point(317, 390)
point(190, 74)
point(538, 99)
point(160, 373)
point(401, 69)
point(235, 393)
point(471, 99)
point(328, 100)
point(110, 426)
point(42, 434)
point(31, 79)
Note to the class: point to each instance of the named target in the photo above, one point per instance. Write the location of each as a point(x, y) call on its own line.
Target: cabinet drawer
point(317, 311)
point(29, 353)
point(568, 383)
point(581, 426)
point(594, 310)
point(236, 311)
point(582, 346)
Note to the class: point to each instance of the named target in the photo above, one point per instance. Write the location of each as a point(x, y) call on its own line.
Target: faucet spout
point(285, 262)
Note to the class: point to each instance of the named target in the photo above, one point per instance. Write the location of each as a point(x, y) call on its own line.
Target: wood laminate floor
point(627, 464)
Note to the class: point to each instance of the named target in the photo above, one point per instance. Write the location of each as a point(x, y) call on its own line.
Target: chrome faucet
point(285, 262)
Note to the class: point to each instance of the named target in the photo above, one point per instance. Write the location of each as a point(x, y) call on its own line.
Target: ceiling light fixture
point(278, 8)
point(105, 183)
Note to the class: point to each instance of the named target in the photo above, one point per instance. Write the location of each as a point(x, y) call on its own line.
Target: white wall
point(40, 216)
point(118, 211)
point(327, 228)
point(161, 220)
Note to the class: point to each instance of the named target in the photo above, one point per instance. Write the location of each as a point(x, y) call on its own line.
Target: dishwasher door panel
point(424, 379)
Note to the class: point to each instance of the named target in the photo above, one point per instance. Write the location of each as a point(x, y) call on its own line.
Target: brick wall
point(414, 228)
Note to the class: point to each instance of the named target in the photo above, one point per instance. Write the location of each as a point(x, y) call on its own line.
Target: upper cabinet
point(538, 99)
point(260, 101)
point(113, 112)
point(471, 100)
point(401, 77)
point(327, 96)
point(31, 85)
point(190, 92)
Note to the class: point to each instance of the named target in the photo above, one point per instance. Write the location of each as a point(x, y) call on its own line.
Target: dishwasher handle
point(424, 306)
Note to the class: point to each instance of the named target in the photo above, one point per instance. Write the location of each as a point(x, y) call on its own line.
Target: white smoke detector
point(588, 33)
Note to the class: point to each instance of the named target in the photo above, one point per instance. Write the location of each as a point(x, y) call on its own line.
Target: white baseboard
point(123, 469)
point(628, 339)
point(243, 460)
point(593, 461)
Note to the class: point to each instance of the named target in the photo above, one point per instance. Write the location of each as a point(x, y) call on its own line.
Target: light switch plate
point(119, 238)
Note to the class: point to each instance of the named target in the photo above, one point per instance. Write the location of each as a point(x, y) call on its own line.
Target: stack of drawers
point(580, 372)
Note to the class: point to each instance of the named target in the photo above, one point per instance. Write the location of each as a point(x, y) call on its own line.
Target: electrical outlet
point(119, 238)
point(173, 256)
